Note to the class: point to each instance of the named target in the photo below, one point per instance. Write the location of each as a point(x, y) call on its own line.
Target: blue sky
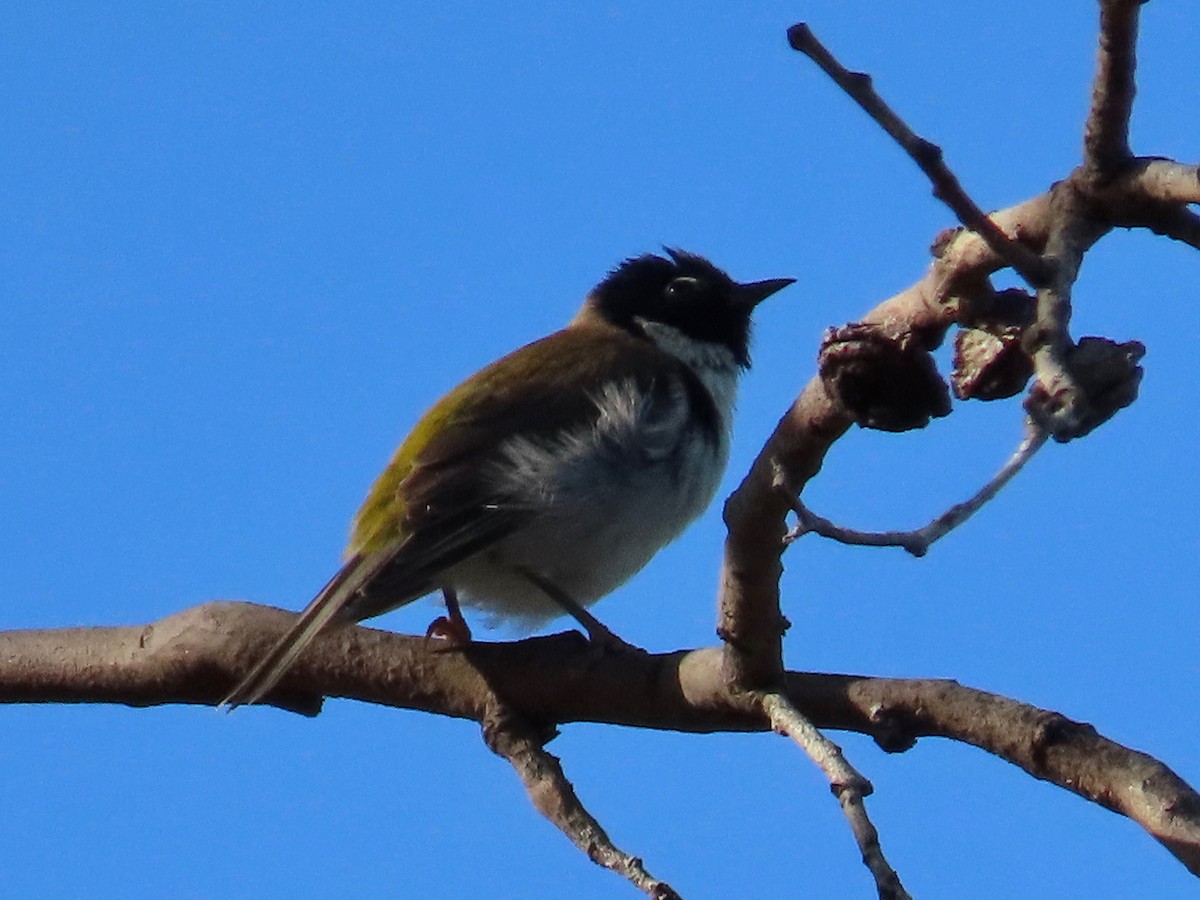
point(245, 245)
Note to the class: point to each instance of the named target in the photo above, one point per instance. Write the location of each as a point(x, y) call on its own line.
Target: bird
point(550, 477)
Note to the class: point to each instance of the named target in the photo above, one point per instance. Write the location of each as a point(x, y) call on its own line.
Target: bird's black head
point(686, 292)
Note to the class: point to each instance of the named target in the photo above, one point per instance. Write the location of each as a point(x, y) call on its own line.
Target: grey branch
point(1181, 225)
point(847, 785)
point(197, 655)
point(1106, 134)
point(924, 153)
point(514, 739)
point(918, 541)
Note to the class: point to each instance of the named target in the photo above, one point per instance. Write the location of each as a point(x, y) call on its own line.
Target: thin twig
point(1062, 405)
point(1034, 440)
point(554, 797)
point(847, 785)
point(809, 522)
point(1106, 135)
point(918, 541)
point(924, 153)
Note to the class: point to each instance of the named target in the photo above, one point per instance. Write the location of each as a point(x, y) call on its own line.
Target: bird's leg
point(598, 633)
point(452, 628)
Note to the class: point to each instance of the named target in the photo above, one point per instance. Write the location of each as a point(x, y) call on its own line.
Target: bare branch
point(1049, 747)
point(195, 656)
point(1059, 404)
point(554, 797)
point(1179, 224)
point(1170, 220)
point(1154, 193)
point(924, 153)
point(847, 785)
point(809, 522)
point(749, 617)
point(1063, 224)
point(1155, 180)
point(1034, 440)
point(1106, 134)
point(918, 541)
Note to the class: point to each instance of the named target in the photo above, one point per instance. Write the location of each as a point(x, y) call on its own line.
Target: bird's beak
point(755, 292)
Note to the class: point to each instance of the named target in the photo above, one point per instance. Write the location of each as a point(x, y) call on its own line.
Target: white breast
point(608, 496)
point(713, 363)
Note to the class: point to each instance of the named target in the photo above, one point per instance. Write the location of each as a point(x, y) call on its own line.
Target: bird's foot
point(599, 635)
point(448, 633)
point(451, 630)
point(602, 639)
point(608, 642)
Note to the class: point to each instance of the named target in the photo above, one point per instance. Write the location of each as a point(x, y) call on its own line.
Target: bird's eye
point(681, 288)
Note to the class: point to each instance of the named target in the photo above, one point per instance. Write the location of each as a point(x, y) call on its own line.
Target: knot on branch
point(509, 735)
point(990, 361)
point(883, 382)
point(892, 733)
point(1053, 731)
point(1104, 378)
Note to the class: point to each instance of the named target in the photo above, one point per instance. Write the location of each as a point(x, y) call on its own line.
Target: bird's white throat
point(714, 364)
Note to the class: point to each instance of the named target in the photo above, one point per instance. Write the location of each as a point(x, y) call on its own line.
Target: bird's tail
point(325, 607)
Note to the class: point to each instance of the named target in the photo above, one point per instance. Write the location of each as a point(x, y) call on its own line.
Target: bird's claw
point(608, 643)
point(449, 633)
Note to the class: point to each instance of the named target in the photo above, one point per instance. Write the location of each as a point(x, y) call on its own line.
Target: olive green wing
point(438, 502)
point(435, 504)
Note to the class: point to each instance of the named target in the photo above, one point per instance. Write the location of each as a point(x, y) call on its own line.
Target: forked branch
point(195, 656)
point(1077, 385)
point(519, 691)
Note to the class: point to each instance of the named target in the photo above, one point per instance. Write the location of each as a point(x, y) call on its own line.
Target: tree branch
point(195, 656)
point(1181, 225)
point(1049, 747)
point(1106, 134)
point(516, 740)
point(1059, 403)
point(927, 155)
point(1044, 239)
point(847, 785)
point(1158, 181)
point(520, 691)
point(918, 541)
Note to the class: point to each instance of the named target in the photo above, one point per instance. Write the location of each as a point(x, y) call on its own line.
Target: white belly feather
point(609, 496)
